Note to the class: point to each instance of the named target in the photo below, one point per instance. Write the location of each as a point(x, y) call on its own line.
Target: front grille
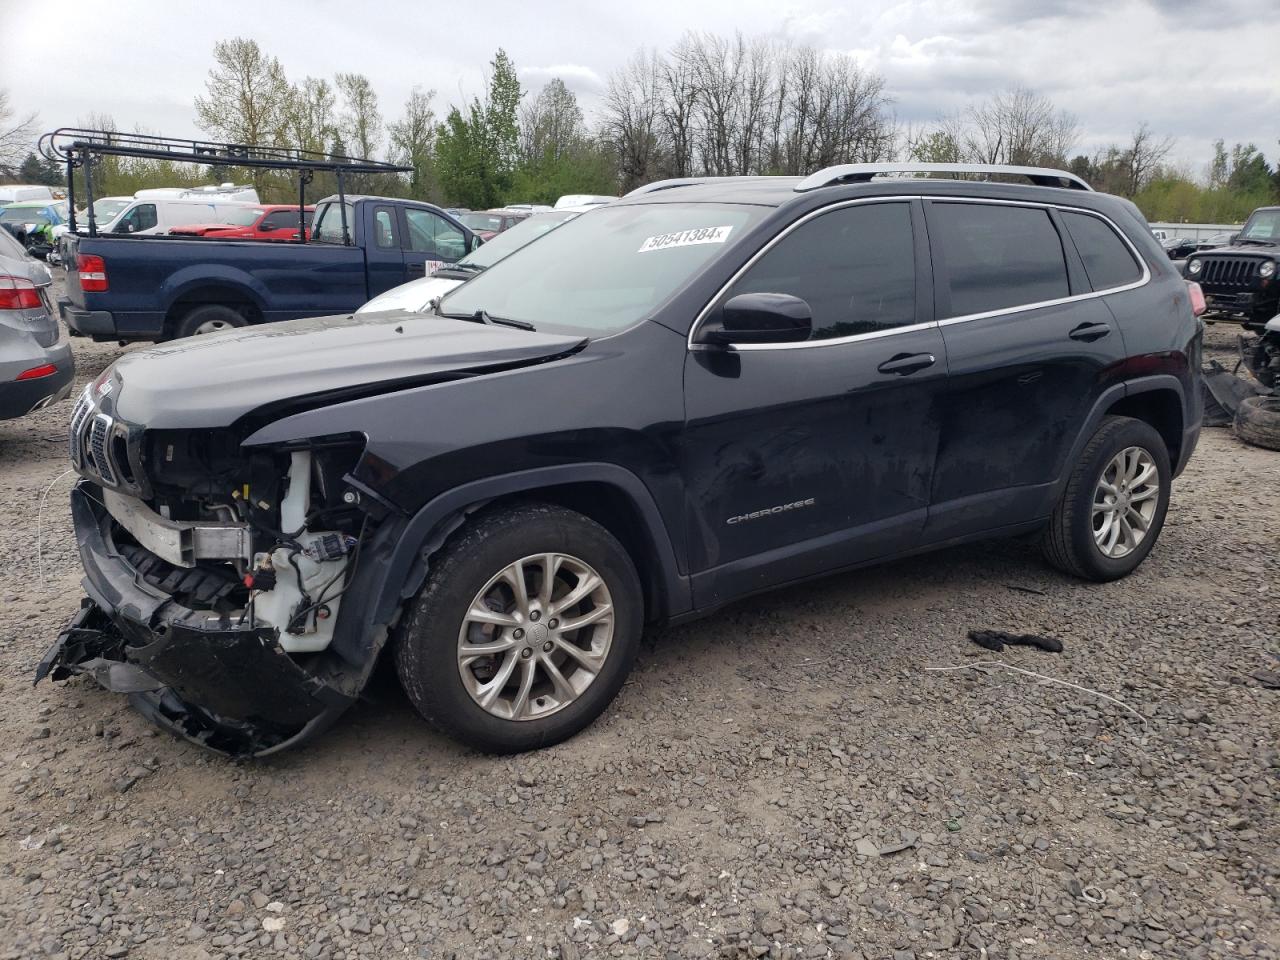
point(1229, 271)
point(99, 447)
point(99, 431)
point(74, 439)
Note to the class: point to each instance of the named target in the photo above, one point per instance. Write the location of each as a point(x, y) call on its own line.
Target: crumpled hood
point(213, 380)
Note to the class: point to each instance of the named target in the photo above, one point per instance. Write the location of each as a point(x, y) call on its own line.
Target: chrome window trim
point(1143, 280)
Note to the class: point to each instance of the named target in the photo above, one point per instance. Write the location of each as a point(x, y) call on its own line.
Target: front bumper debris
point(228, 687)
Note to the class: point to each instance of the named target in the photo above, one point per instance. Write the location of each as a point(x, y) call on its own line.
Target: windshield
point(606, 270)
point(482, 221)
point(242, 217)
point(25, 215)
point(328, 223)
point(1263, 225)
point(106, 209)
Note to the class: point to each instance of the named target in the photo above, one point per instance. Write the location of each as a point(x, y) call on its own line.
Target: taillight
point(35, 373)
point(18, 293)
point(1198, 306)
point(93, 272)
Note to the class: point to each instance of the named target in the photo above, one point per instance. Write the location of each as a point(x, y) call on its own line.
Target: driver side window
point(854, 266)
point(432, 234)
point(141, 217)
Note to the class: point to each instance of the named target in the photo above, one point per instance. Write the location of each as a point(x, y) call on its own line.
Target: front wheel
point(524, 631)
point(1114, 504)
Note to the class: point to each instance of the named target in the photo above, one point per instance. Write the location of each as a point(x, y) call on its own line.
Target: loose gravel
point(791, 778)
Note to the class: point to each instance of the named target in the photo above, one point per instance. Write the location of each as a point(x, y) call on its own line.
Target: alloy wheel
point(1125, 502)
point(535, 636)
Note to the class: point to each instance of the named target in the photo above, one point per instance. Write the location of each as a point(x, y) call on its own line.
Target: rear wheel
point(524, 631)
point(210, 318)
point(1114, 505)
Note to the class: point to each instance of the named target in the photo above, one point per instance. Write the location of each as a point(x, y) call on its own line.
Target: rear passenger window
point(1107, 259)
point(855, 267)
point(997, 256)
point(384, 232)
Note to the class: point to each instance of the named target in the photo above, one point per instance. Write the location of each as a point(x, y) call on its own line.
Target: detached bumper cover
point(227, 687)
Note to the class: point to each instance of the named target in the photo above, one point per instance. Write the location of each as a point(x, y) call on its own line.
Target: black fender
point(423, 532)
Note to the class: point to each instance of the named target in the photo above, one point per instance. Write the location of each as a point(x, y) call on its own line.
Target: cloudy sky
point(1194, 69)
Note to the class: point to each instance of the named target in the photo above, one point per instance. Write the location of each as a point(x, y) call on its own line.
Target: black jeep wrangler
point(1239, 280)
point(702, 391)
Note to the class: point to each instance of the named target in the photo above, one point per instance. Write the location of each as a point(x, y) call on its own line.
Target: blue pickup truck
point(123, 287)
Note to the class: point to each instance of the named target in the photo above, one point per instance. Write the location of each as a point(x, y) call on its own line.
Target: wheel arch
point(1159, 405)
point(607, 493)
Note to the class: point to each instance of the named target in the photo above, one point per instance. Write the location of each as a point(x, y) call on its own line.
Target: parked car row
point(36, 368)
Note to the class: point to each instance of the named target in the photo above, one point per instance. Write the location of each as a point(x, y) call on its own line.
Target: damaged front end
point(216, 576)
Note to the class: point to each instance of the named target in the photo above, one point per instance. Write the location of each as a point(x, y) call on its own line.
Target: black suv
point(1239, 280)
point(705, 390)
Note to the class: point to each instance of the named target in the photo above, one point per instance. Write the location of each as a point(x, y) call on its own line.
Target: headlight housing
point(1194, 267)
point(1268, 269)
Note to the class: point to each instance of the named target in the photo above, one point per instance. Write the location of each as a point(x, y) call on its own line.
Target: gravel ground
point(785, 779)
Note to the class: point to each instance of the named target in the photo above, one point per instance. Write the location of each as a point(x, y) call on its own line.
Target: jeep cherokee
point(702, 391)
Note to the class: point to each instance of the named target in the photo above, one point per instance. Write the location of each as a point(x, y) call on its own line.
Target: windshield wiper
point(484, 316)
point(1259, 242)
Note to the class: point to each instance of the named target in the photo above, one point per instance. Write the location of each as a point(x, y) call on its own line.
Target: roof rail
point(689, 182)
point(864, 172)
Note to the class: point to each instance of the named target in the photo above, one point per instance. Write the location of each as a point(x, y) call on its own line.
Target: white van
point(220, 191)
point(17, 192)
point(147, 215)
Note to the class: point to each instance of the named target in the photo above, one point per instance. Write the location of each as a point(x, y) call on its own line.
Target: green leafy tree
point(1250, 172)
point(477, 152)
point(35, 170)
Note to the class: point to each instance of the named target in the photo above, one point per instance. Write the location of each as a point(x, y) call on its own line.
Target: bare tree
point(310, 117)
point(247, 95)
point(551, 124)
point(1018, 126)
point(1143, 157)
point(737, 106)
point(413, 139)
point(16, 135)
point(631, 119)
point(360, 121)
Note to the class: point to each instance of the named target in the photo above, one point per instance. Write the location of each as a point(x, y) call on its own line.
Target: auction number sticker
point(686, 238)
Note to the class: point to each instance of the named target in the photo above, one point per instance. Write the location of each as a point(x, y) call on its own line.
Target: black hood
point(214, 380)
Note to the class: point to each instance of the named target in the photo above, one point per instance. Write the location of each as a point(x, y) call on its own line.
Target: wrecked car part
point(208, 675)
point(1223, 393)
point(180, 542)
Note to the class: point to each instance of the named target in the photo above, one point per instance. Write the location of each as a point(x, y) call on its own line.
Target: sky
point(1195, 70)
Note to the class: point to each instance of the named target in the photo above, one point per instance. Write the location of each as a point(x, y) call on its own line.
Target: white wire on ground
point(39, 524)
point(1040, 676)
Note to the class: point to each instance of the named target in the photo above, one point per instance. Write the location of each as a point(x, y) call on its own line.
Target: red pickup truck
point(256, 221)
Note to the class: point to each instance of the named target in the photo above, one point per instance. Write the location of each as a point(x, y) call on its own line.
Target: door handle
point(905, 363)
point(416, 268)
point(1089, 332)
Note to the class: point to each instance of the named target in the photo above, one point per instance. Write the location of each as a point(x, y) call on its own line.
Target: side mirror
point(758, 318)
point(474, 242)
point(1233, 237)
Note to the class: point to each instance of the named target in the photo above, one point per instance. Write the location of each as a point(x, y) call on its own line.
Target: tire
point(1070, 542)
point(210, 318)
point(1258, 422)
point(429, 650)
